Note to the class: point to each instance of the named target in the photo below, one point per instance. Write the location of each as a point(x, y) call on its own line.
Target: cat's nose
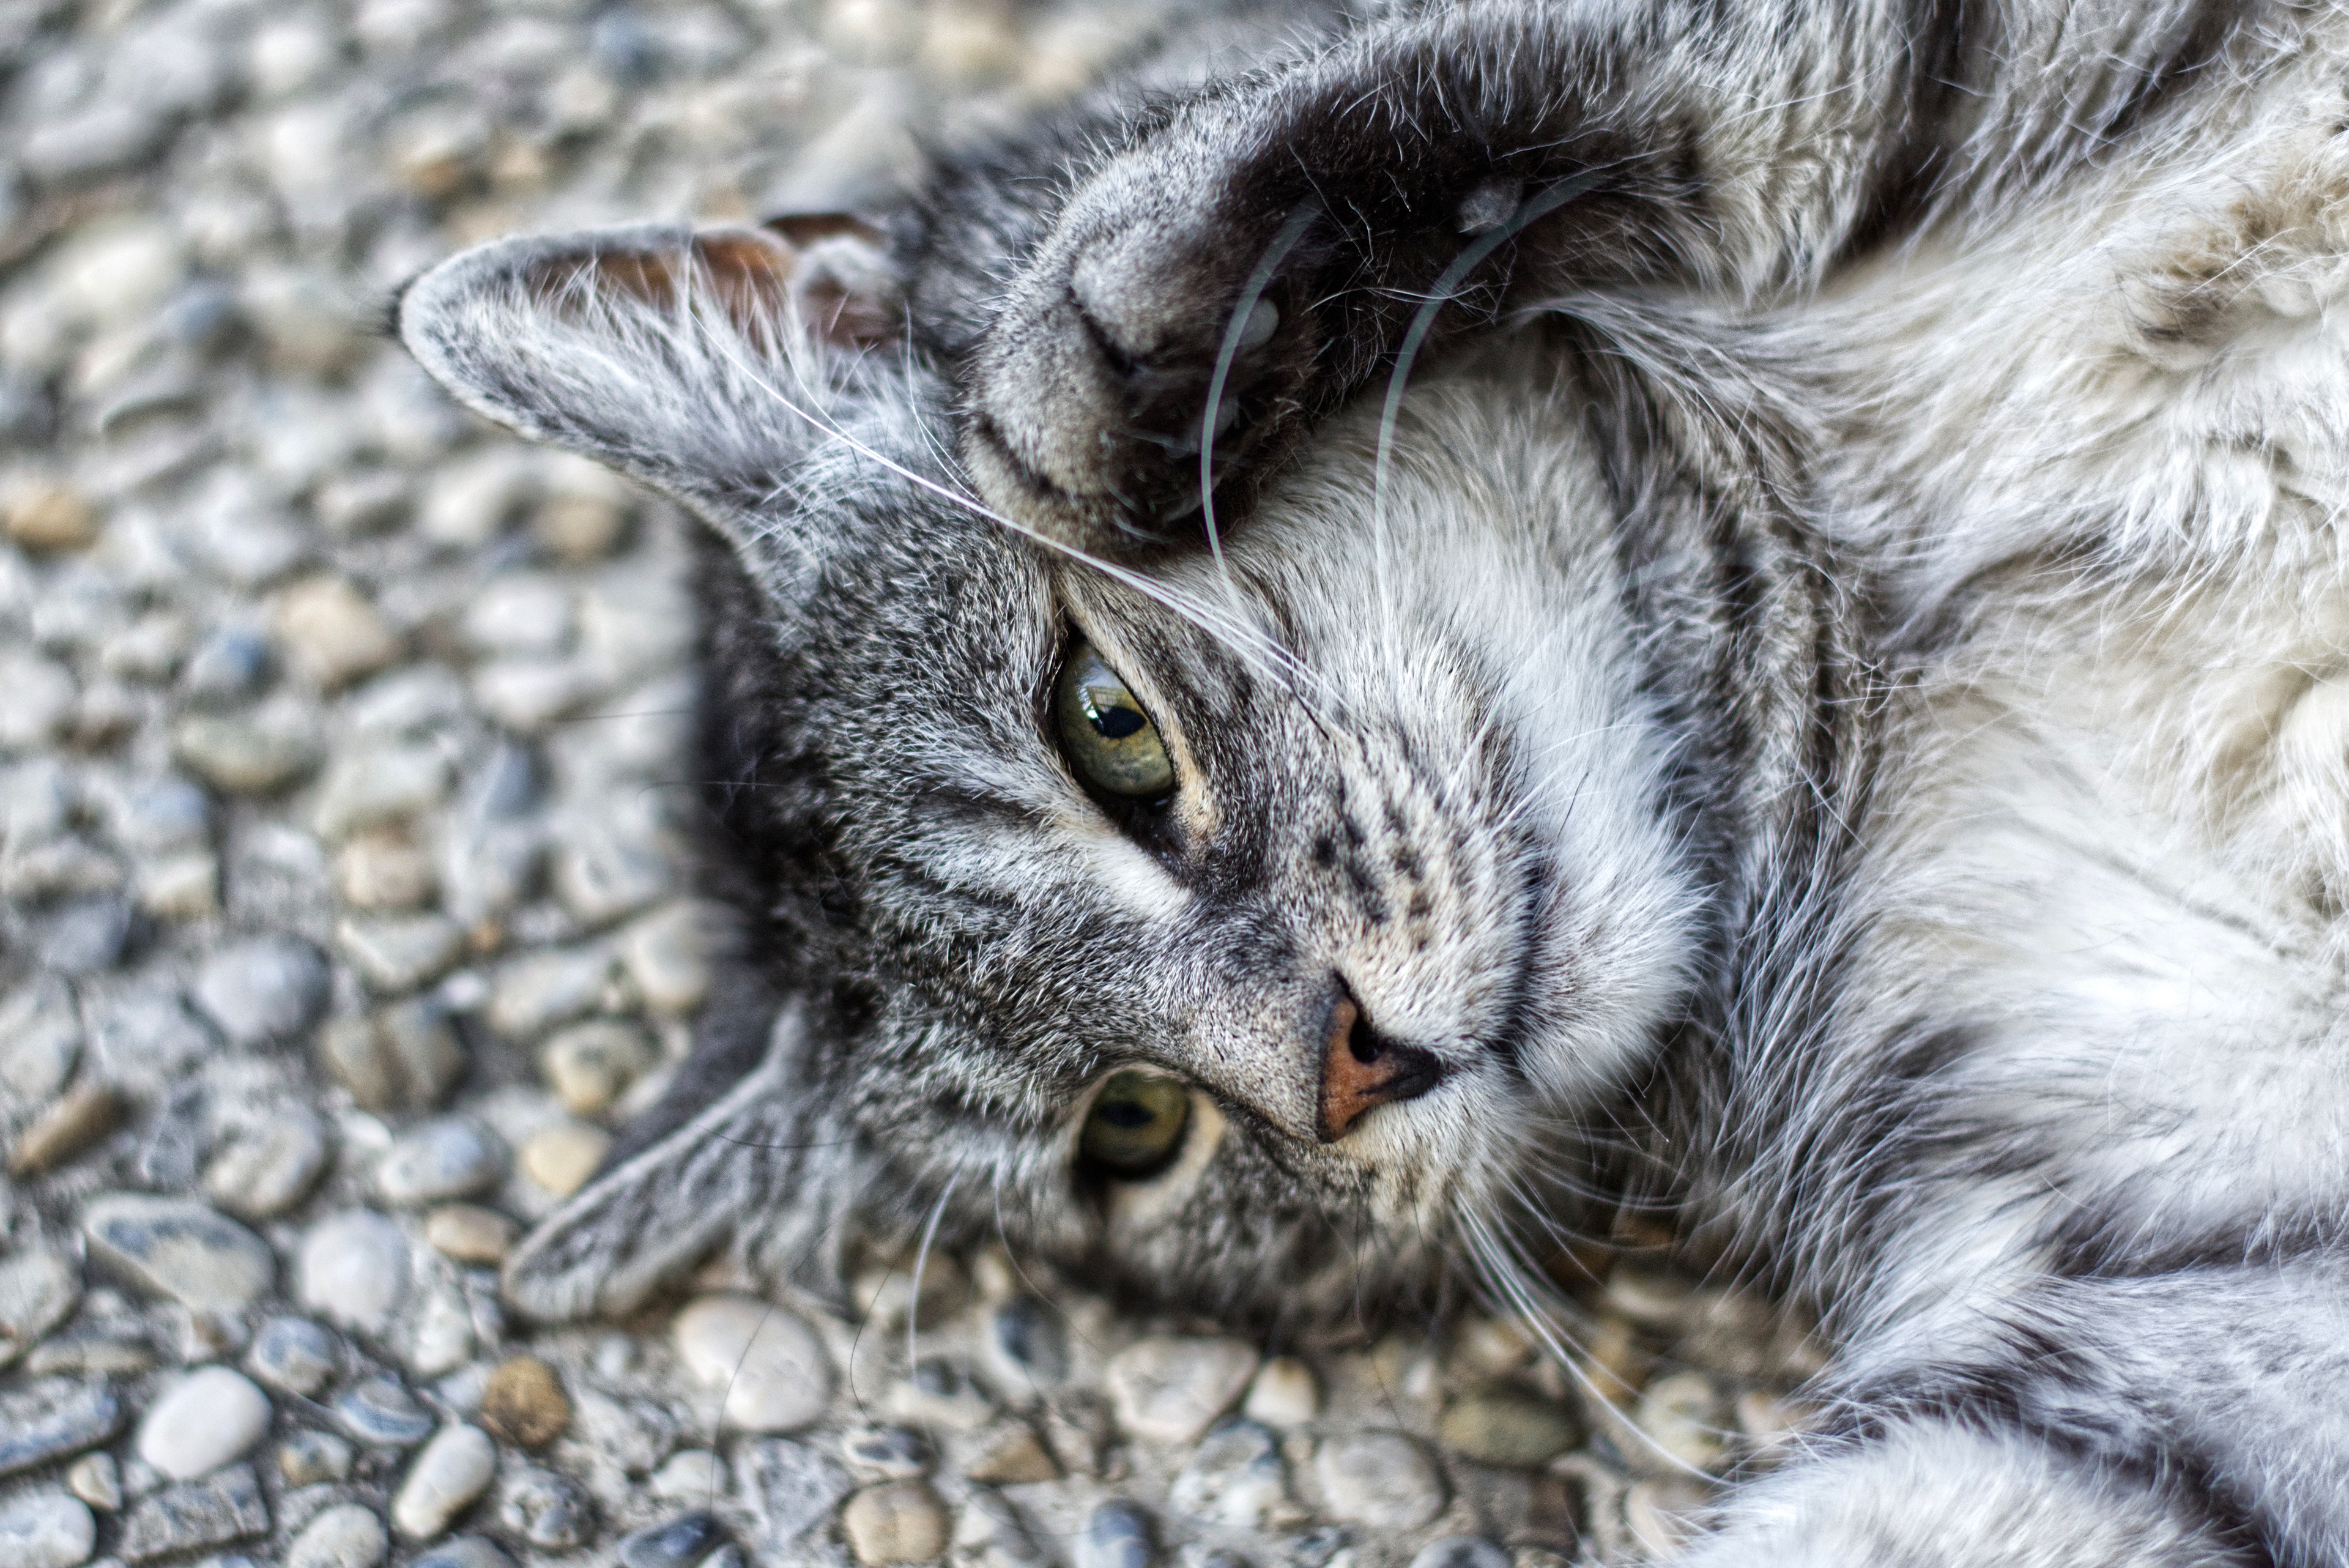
point(1361, 1068)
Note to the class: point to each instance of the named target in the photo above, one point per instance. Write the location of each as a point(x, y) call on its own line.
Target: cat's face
point(1233, 927)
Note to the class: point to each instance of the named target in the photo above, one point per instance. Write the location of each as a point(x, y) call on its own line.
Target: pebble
point(261, 1171)
point(205, 1420)
point(40, 1035)
point(590, 1065)
point(184, 1250)
point(97, 1479)
point(1014, 1456)
point(942, 1393)
point(454, 1469)
point(45, 515)
point(86, 935)
point(1510, 1428)
point(896, 1521)
point(667, 955)
point(330, 635)
point(195, 1516)
point(439, 1334)
point(379, 784)
point(560, 1157)
point(447, 1157)
point(353, 1268)
point(40, 701)
point(307, 1458)
point(546, 1510)
point(1461, 1552)
point(885, 1453)
point(692, 1473)
point(1382, 1479)
point(382, 870)
point(1661, 1514)
point(406, 1057)
point(523, 1403)
point(1235, 1477)
point(46, 1530)
point(887, 1299)
point(296, 1355)
point(1285, 1393)
point(469, 1233)
point(464, 1552)
point(1171, 1390)
point(773, 1368)
point(1117, 1534)
point(109, 1351)
point(395, 954)
point(53, 1417)
point(345, 1536)
point(262, 989)
point(39, 1290)
point(790, 1488)
point(602, 874)
point(1027, 1341)
point(229, 665)
point(991, 1535)
point(576, 529)
point(254, 753)
point(1681, 1413)
point(680, 1542)
point(534, 994)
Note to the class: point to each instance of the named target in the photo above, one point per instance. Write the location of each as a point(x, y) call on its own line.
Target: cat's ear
point(760, 1171)
point(699, 361)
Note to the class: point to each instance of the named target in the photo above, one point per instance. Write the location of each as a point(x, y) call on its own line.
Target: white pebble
point(1380, 1479)
point(453, 1469)
point(46, 1530)
point(346, 1536)
point(207, 1418)
point(1283, 1394)
point(354, 1269)
point(770, 1364)
point(1173, 1389)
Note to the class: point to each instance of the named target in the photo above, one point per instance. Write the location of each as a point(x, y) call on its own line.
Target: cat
point(1734, 605)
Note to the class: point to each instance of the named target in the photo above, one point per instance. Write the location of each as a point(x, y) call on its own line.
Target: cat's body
point(1856, 674)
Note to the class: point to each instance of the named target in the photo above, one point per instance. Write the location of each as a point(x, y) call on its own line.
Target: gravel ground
point(338, 740)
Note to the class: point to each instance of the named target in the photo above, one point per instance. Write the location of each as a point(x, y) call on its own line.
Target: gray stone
point(353, 1268)
point(448, 1157)
point(1172, 1390)
point(296, 1355)
point(941, 1392)
point(262, 989)
point(1027, 1338)
point(603, 873)
point(464, 1552)
point(589, 1065)
point(228, 666)
point(97, 1479)
point(261, 1171)
point(86, 935)
point(164, 815)
point(252, 754)
point(40, 1038)
point(53, 1419)
point(344, 1536)
point(399, 953)
point(195, 1516)
point(313, 1458)
point(39, 1291)
point(536, 992)
point(151, 1031)
point(546, 1510)
point(790, 1489)
point(885, 1453)
point(1461, 1552)
point(379, 1411)
point(1117, 1534)
point(1284, 1394)
point(667, 955)
point(1382, 1479)
point(992, 1534)
point(1235, 1477)
point(406, 1057)
point(107, 1351)
point(202, 1422)
point(1511, 1428)
point(182, 1250)
point(46, 1530)
point(690, 1475)
point(680, 1542)
point(379, 785)
point(1316, 1547)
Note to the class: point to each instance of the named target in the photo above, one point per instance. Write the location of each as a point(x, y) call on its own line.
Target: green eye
point(1110, 741)
point(1136, 1123)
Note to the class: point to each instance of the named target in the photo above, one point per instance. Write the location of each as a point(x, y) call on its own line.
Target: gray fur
point(1832, 718)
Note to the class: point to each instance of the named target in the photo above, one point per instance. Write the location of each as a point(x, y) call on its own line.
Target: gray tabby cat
point(1742, 602)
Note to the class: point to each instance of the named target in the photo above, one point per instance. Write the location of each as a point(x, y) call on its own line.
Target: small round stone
point(773, 1368)
point(306, 1459)
point(261, 1171)
point(203, 1421)
point(1170, 1389)
point(590, 1065)
point(690, 1474)
point(353, 1267)
point(680, 1542)
point(1117, 1534)
point(1683, 1415)
point(561, 1157)
point(263, 989)
point(885, 1453)
point(344, 1536)
point(330, 634)
point(46, 1530)
point(523, 1403)
point(454, 1469)
point(381, 1411)
point(1382, 1479)
point(1027, 1338)
point(896, 1521)
point(1235, 1477)
point(1284, 1394)
point(185, 1250)
point(39, 1290)
point(464, 1552)
point(448, 1157)
point(88, 1113)
point(1014, 1456)
point(1461, 1552)
point(45, 515)
point(1510, 1428)
point(469, 1233)
point(293, 1354)
point(97, 1479)
point(546, 1510)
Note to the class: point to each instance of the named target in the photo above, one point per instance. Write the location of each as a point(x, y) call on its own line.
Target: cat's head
point(1244, 930)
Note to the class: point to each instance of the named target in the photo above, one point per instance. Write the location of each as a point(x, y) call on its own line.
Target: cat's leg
point(1268, 247)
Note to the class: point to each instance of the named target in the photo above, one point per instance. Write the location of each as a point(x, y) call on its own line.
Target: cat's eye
point(1135, 1127)
point(1109, 740)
